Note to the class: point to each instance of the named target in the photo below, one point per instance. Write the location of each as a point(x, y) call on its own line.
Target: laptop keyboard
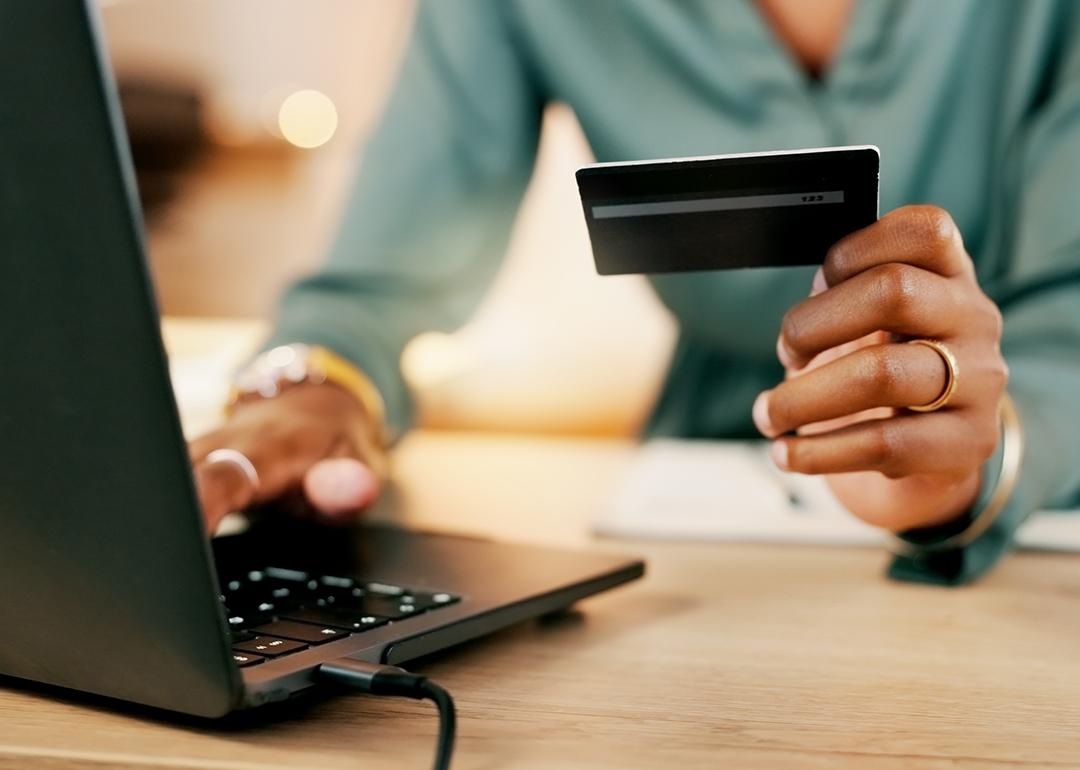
point(276, 611)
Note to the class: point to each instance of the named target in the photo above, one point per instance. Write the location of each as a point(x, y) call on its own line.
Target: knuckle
point(885, 449)
point(998, 374)
point(899, 287)
point(881, 373)
point(932, 226)
point(840, 259)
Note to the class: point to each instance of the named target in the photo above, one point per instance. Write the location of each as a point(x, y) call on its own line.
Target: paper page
point(731, 490)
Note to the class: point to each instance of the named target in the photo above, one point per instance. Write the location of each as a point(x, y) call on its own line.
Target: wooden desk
point(723, 657)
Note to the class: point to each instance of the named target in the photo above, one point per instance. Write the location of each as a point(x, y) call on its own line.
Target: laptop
point(108, 584)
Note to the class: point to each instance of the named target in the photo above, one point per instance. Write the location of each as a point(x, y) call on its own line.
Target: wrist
point(286, 367)
point(998, 480)
point(951, 501)
point(317, 398)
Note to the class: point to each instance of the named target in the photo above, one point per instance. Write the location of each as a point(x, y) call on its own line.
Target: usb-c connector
point(379, 679)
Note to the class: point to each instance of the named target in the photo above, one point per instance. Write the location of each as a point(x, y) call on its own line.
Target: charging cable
point(379, 679)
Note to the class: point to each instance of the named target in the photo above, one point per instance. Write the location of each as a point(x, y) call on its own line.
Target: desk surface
point(724, 656)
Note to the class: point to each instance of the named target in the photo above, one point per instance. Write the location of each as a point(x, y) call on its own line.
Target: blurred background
point(248, 120)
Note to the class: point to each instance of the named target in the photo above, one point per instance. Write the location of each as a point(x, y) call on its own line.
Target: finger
point(878, 376)
point(200, 447)
point(222, 488)
point(942, 443)
point(280, 456)
point(283, 457)
point(895, 298)
point(340, 487)
point(922, 236)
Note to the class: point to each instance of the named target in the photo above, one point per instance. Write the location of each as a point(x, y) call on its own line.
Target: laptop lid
point(106, 583)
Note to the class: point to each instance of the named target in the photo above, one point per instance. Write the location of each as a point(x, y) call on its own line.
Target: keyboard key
point(240, 636)
point(290, 575)
point(269, 646)
point(423, 600)
point(353, 621)
point(393, 607)
point(242, 620)
point(336, 582)
point(330, 596)
point(302, 632)
point(381, 605)
point(386, 589)
point(243, 659)
point(267, 597)
point(260, 597)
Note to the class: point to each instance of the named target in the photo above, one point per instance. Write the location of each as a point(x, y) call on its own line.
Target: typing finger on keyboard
point(314, 444)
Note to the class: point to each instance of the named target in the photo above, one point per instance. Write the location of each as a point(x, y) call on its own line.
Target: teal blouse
point(975, 105)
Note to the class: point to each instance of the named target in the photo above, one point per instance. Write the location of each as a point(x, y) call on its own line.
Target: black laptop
point(108, 584)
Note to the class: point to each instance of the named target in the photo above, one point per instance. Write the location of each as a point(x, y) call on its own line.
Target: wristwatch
point(275, 371)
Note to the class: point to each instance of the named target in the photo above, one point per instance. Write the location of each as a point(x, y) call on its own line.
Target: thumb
point(340, 487)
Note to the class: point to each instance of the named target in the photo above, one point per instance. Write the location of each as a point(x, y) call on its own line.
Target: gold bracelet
point(283, 367)
point(345, 375)
point(1012, 455)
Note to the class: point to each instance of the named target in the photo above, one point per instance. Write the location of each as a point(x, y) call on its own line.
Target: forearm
point(355, 330)
point(430, 213)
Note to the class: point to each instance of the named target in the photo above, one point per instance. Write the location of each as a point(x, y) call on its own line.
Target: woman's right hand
point(314, 448)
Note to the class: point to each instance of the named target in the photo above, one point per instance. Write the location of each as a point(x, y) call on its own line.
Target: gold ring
point(952, 375)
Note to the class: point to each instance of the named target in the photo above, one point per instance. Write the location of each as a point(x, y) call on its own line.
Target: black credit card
point(769, 209)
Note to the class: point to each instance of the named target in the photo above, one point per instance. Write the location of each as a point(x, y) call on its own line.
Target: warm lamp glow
point(307, 118)
point(432, 358)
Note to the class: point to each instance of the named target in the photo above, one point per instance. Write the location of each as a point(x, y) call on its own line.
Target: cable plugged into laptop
point(379, 679)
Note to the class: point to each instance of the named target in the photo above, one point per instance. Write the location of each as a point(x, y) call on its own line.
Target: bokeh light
point(307, 118)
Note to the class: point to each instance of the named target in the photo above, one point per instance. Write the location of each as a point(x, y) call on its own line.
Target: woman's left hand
point(851, 377)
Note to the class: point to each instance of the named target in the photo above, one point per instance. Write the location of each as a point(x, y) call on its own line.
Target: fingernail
point(819, 284)
point(760, 414)
point(340, 486)
point(779, 452)
point(785, 356)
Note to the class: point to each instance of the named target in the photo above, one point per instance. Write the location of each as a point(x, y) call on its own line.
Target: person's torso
point(941, 88)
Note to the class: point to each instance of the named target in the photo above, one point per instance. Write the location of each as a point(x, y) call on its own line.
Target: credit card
point(766, 209)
